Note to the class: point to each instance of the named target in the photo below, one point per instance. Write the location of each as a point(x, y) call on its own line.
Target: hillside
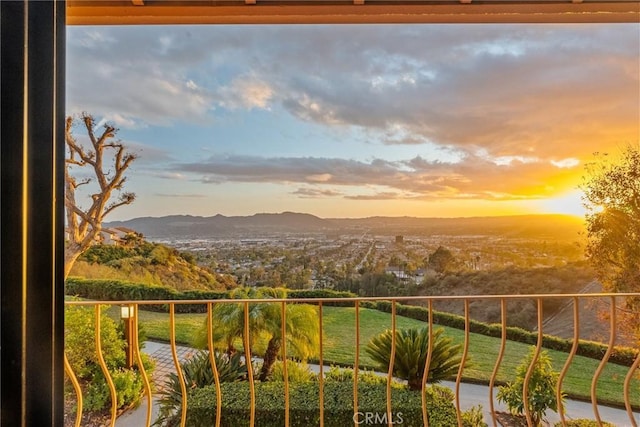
point(570, 278)
point(149, 263)
point(563, 227)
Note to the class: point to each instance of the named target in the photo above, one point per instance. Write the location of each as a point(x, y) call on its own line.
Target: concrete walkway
point(470, 394)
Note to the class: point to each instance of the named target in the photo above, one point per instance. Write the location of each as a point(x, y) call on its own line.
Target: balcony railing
point(629, 391)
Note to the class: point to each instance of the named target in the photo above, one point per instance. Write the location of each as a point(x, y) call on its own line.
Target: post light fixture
point(127, 314)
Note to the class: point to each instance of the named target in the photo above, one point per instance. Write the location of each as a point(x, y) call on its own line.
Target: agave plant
point(412, 346)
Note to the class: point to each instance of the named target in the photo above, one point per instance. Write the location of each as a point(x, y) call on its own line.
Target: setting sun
point(568, 203)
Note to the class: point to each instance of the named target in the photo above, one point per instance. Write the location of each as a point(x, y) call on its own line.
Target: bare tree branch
point(84, 225)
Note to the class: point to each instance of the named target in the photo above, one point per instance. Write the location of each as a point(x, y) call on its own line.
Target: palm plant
point(265, 322)
point(412, 346)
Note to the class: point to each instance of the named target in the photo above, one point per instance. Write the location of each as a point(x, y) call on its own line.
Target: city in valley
point(391, 256)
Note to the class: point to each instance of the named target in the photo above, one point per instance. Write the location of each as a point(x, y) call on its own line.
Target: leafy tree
point(265, 320)
point(411, 354)
point(541, 388)
point(441, 260)
point(105, 160)
point(612, 198)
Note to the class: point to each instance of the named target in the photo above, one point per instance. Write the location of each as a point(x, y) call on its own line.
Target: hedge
point(304, 405)
point(594, 350)
point(117, 290)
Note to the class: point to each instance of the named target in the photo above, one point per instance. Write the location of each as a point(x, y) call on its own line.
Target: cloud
point(165, 174)
point(415, 178)
point(180, 195)
point(548, 92)
point(313, 193)
point(148, 153)
point(247, 93)
point(385, 195)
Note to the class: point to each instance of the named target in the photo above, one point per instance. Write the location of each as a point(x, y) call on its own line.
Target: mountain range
point(557, 227)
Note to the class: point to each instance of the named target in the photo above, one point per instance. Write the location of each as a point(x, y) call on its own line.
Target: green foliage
point(473, 417)
point(541, 388)
point(80, 341)
point(304, 401)
point(411, 355)
point(150, 263)
point(322, 293)
point(582, 422)
point(611, 195)
point(197, 373)
point(441, 260)
point(337, 374)
point(104, 254)
point(128, 384)
point(297, 372)
point(81, 353)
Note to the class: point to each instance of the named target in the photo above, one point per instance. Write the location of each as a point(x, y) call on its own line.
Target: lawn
point(339, 348)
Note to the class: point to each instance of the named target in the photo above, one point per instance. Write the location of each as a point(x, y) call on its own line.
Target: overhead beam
point(83, 12)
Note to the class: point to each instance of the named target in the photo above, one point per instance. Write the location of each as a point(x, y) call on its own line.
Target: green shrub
point(80, 341)
point(582, 422)
point(337, 374)
point(304, 405)
point(81, 353)
point(297, 372)
point(473, 417)
point(541, 388)
point(128, 385)
point(411, 354)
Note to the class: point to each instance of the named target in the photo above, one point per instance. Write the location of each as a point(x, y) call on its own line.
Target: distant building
point(119, 236)
point(399, 240)
point(398, 272)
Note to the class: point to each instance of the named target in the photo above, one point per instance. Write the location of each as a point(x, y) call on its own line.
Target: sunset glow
point(356, 121)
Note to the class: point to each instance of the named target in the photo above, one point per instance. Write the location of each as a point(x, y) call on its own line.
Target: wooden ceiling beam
point(83, 12)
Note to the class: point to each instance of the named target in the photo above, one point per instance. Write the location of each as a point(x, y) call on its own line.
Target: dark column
point(32, 45)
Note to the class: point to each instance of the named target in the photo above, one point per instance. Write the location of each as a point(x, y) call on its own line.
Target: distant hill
point(526, 226)
point(150, 263)
point(188, 226)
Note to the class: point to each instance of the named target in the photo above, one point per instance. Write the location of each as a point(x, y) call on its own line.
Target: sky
point(359, 120)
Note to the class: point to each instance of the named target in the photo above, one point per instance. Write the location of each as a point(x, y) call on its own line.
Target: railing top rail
point(354, 299)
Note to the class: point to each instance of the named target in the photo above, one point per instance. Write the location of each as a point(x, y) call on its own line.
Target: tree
point(441, 260)
point(105, 160)
point(265, 320)
point(412, 346)
point(612, 198)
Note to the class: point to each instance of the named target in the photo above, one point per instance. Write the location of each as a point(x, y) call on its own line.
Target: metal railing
point(631, 377)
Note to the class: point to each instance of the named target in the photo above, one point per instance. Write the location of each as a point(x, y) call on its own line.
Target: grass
point(339, 348)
